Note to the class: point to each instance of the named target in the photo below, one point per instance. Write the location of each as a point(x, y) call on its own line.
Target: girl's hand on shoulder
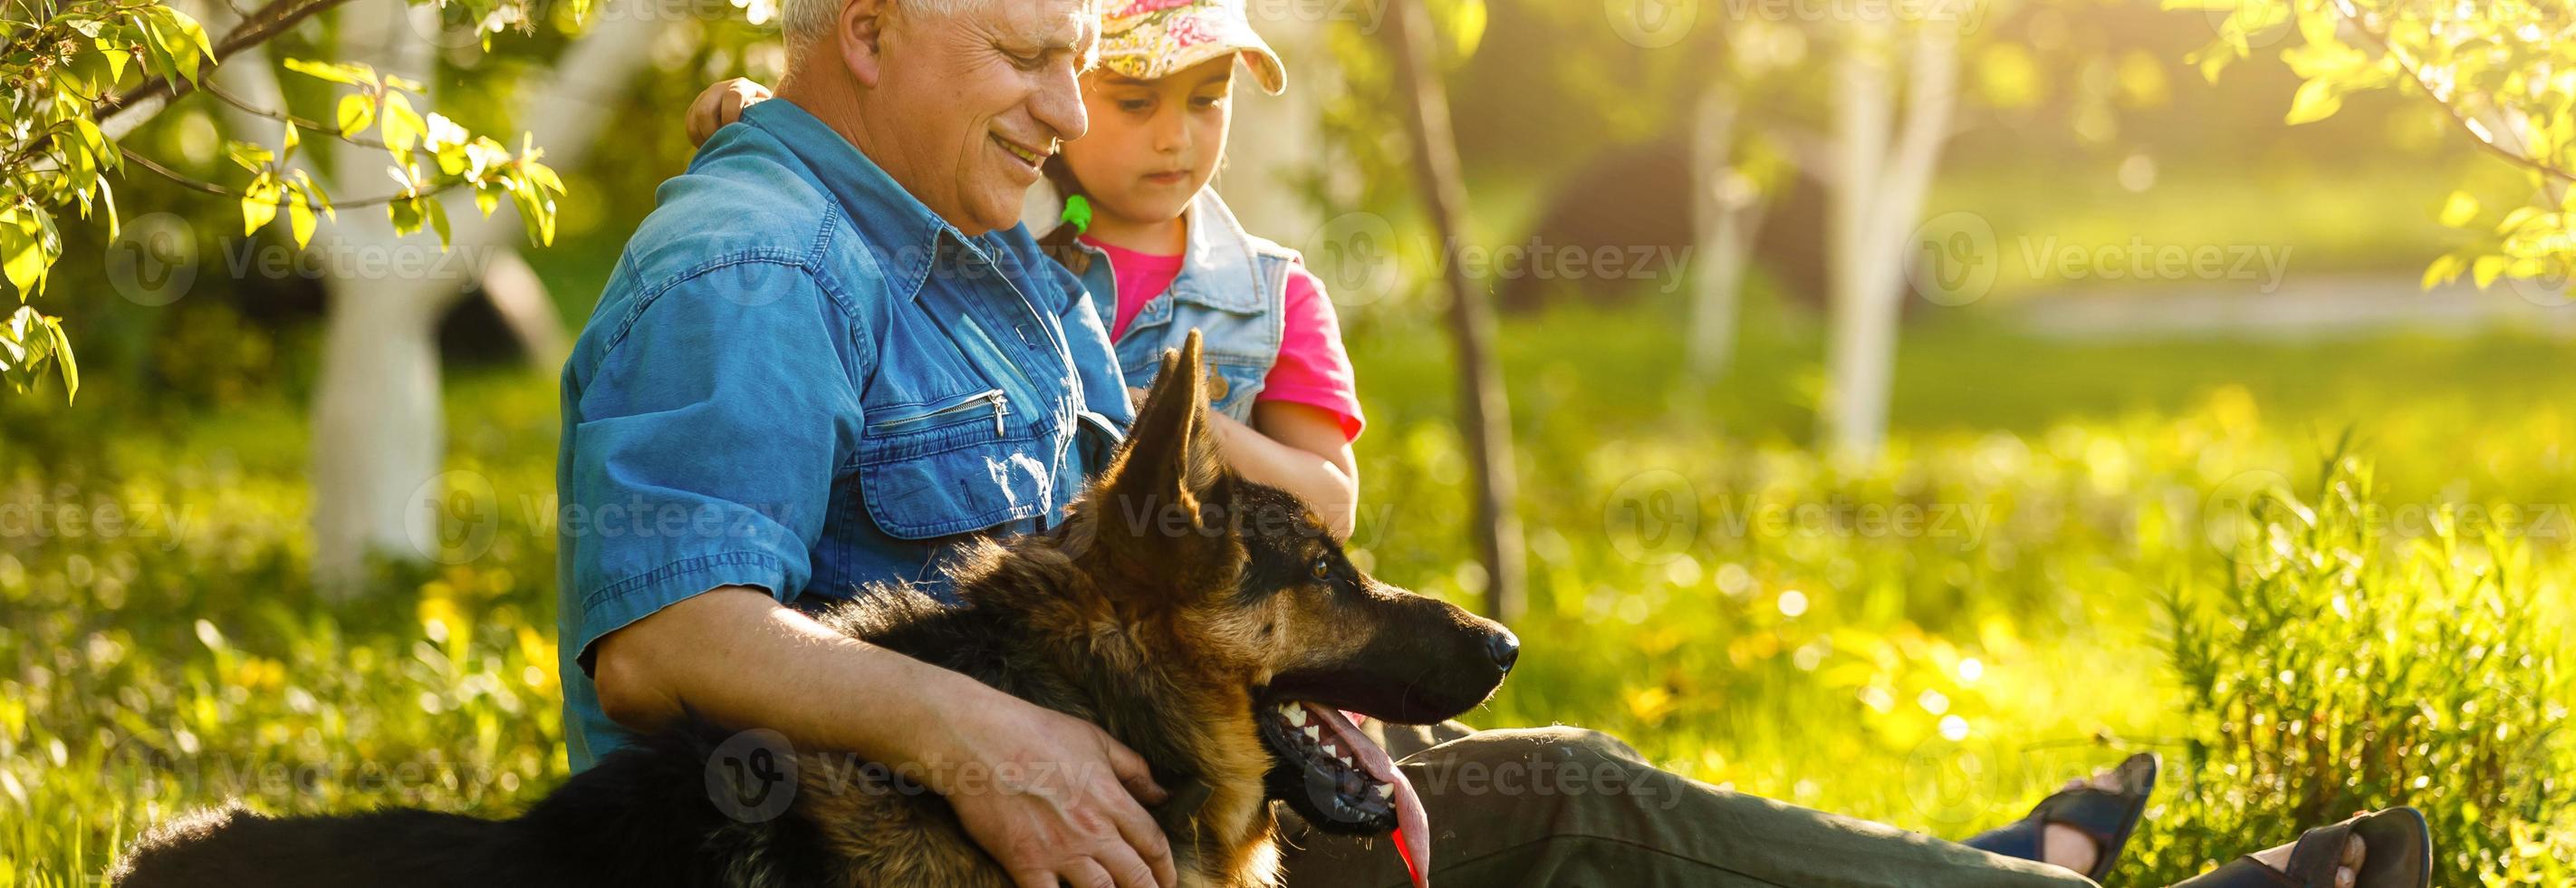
point(720, 104)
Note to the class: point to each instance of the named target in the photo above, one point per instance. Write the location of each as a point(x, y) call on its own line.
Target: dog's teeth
point(1296, 714)
point(1329, 750)
point(1386, 791)
point(1314, 733)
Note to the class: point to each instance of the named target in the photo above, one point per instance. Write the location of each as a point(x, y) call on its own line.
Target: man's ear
point(861, 29)
point(1168, 480)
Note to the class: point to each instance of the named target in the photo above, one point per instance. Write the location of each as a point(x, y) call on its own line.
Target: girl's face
point(1153, 143)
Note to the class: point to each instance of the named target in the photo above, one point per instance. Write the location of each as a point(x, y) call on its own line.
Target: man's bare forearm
point(734, 656)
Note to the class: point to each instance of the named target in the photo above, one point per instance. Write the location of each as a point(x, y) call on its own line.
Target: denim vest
point(1233, 289)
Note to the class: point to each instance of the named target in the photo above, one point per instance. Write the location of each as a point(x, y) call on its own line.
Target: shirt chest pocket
point(954, 464)
point(1233, 380)
point(1241, 342)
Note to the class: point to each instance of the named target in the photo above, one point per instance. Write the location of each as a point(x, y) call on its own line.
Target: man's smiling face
point(979, 97)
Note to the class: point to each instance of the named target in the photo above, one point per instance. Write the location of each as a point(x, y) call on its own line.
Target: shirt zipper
point(1001, 407)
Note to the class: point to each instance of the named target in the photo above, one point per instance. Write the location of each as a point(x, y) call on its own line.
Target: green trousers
point(1571, 807)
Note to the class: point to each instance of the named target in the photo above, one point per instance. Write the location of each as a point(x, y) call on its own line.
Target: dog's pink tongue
point(1412, 824)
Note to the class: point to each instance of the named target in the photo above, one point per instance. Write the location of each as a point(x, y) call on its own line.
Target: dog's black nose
point(1505, 648)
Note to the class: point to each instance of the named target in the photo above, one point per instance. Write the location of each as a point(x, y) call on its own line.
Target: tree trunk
point(378, 435)
point(1879, 190)
point(520, 296)
point(1726, 215)
point(378, 427)
point(1484, 409)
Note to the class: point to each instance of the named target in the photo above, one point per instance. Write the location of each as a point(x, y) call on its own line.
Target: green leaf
point(405, 214)
point(115, 58)
point(259, 203)
point(542, 176)
point(436, 214)
point(2317, 100)
point(2488, 268)
point(399, 125)
point(1467, 19)
point(156, 51)
point(63, 357)
point(350, 73)
point(356, 113)
point(2514, 221)
point(97, 143)
point(299, 215)
point(194, 48)
point(250, 156)
point(22, 259)
point(314, 190)
point(2459, 210)
point(2445, 269)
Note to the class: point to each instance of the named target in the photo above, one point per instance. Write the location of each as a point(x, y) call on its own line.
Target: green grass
point(1937, 677)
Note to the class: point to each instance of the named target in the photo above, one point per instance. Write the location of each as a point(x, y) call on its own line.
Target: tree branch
point(2477, 132)
point(195, 184)
point(263, 23)
point(247, 108)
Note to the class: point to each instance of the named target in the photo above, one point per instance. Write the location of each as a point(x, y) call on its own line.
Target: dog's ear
point(1168, 487)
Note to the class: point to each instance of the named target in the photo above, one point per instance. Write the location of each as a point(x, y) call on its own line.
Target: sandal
point(2105, 816)
point(2399, 854)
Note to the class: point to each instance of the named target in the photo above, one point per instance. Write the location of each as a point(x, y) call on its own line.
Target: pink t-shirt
point(1312, 368)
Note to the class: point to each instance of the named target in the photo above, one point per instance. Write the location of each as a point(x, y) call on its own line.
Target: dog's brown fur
point(1175, 599)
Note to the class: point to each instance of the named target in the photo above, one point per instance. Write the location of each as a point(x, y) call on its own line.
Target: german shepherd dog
point(1207, 622)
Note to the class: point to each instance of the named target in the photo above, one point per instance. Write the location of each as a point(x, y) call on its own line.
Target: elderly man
point(831, 353)
point(744, 418)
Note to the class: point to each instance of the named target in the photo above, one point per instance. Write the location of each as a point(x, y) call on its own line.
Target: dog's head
point(1245, 581)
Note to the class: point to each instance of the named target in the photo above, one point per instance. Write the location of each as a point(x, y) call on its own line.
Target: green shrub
point(2335, 667)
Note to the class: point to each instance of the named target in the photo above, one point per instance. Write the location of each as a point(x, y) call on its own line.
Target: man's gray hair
point(802, 21)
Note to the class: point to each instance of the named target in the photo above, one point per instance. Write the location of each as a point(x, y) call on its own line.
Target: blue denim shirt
point(1233, 289)
point(800, 378)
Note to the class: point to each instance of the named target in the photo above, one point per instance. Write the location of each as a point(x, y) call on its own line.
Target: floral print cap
point(1153, 39)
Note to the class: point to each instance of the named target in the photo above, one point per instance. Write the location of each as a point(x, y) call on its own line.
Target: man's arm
point(1028, 782)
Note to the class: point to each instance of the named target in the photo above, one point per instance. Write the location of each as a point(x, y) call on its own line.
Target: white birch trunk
point(1878, 193)
point(378, 423)
point(1726, 215)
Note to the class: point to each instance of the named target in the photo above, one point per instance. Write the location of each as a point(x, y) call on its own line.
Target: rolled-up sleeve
point(703, 446)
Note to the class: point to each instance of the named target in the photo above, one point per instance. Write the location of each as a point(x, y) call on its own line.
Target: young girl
point(1138, 221)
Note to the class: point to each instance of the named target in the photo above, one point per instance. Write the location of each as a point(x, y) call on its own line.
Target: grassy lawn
point(1927, 639)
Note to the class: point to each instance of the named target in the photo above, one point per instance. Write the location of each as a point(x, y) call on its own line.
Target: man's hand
point(1053, 797)
point(720, 104)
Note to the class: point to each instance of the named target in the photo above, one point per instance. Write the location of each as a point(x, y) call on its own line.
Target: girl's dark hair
point(1059, 242)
